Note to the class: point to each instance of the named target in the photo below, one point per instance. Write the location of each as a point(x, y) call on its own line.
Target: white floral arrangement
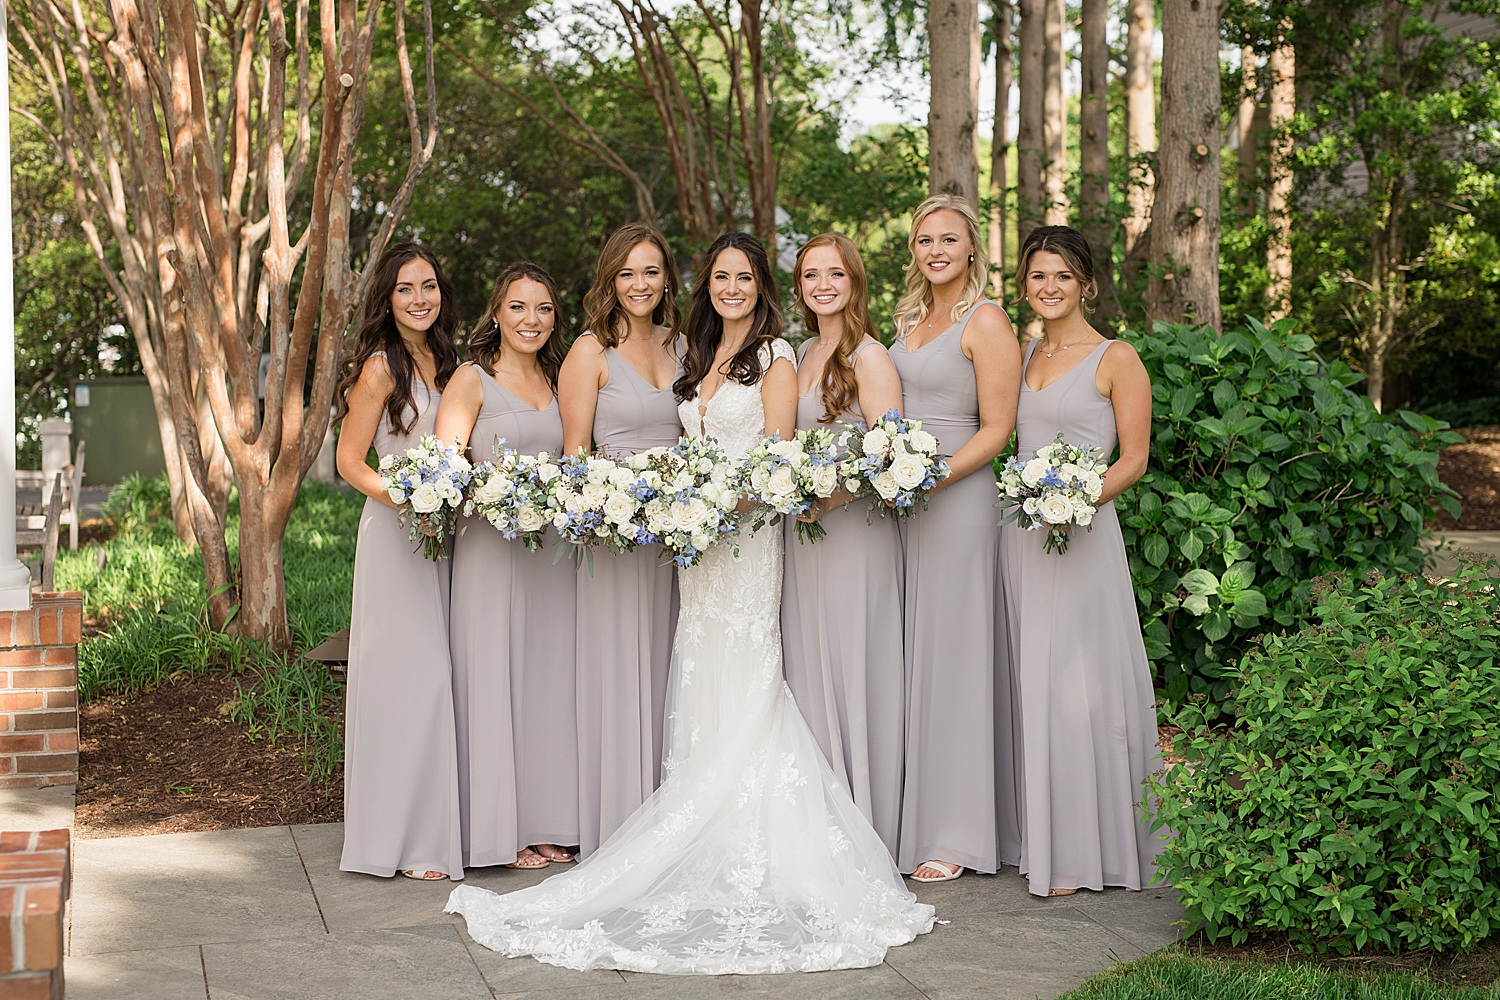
point(695, 500)
point(576, 498)
point(1057, 487)
point(427, 485)
point(895, 462)
point(784, 478)
point(511, 493)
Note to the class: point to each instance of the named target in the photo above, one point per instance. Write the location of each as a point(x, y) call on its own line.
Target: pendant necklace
point(1054, 350)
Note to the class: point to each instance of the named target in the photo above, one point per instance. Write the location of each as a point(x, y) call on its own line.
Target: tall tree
point(174, 122)
point(1184, 282)
point(1283, 105)
point(1093, 153)
point(1249, 141)
point(953, 49)
point(1140, 129)
point(1000, 142)
point(1054, 114)
point(1030, 153)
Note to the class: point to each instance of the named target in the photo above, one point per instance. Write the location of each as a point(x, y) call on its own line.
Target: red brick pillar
point(39, 692)
point(34, 876)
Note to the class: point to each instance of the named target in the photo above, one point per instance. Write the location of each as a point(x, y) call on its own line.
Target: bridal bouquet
point(785, 478)
point(576, 498)
point(511, 493)
point(896, 460)
point(694, 499)
point(427, 485)
point(1058, 486)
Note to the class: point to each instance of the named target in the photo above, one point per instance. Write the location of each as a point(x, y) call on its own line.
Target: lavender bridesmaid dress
point(1085, 686)
point(956, 758)
point(511, 626)
point(841, 642)
point(627, 612)
point(400, 752)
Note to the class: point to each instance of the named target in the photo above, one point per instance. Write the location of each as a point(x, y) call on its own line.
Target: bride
point(751, 857)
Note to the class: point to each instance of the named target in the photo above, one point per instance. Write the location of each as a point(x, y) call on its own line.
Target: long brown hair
point(840, 387)
point(705, 327)
point(1069, 244)
point(917, 302)
point(378, 334)
point(484, 339)
point(603, 315)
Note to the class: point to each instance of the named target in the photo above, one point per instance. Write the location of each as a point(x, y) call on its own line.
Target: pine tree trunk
point(1029, 151)
point(1245, 124)
point(1093, 148)
point(1283, 71)
point(1140, 133)
point(1055, 115)
point(1000, 146)
point(953, 108)
point(1184, 285)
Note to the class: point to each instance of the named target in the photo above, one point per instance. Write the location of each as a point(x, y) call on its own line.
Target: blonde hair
point(917, 302)
point(840, 387)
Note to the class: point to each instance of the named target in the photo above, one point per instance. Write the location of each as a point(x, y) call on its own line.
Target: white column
point(15, 579)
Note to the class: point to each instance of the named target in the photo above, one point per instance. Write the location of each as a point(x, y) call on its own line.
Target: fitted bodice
point(810, 408)
point(633, 415)
point(1072, 405)
point(938, 385)
point(504, 415)
point(735, 417)
point(425, 399)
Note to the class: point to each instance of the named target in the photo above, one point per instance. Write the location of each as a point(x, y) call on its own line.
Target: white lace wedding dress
point(751, 857)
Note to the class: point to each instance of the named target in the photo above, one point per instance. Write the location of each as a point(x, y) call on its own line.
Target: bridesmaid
point(1085, 686)
point(960, 366)
point(512, 618)
point(615, 393)
point(400, 766)
point(841, 601)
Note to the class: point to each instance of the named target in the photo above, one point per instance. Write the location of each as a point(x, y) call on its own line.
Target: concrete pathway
point(266, 914)
point(1449, 543)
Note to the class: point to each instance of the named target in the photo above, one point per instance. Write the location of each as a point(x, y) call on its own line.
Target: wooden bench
point(72, 493)
point(39, 531)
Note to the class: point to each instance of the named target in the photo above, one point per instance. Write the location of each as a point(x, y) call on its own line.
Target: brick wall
point(34, 876)
point(39, 692)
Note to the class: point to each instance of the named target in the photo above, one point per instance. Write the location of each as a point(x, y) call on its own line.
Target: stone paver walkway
point(266, 914)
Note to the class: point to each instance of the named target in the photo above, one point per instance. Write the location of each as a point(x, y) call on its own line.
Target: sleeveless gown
point(511, 634)
point(958, 754)
point(751, 857)
point(400, 757)
point(841, 636)
point(627, 609)
point(1085, 685)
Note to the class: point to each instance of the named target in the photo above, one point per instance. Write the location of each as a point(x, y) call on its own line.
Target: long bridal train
point(751, 857)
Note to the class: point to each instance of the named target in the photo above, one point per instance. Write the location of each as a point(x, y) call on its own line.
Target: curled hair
point(840, 388)
point(378, 334)
point(705, 327)
point(485, 339)
point(603, 314)
point(1069, 244)
point(917, 302)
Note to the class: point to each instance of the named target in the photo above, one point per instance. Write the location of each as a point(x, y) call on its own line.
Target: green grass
point(1175, 974)
point(151, 598)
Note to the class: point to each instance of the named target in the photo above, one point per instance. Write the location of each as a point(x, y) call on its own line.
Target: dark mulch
point(1479, 968)
point(1473, 470)
point(169, 761)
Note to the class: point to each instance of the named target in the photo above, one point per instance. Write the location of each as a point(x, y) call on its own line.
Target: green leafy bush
point(1354, 803)
point(1266, 471)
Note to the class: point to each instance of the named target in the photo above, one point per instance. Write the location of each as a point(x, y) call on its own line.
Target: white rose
point(702, 540)
point(560, 521)
point(620, 508)
point(397, 495)
point(530, 519)
point(758, 478)
point(387, 462)
point(852, 485)
point(415, 454)
point(1084, 516)
point(457, 461)
point(621, 477)
point(493, 490)
point(908, 471)
point(923, 442)
point(1034, 470)
point(1069, 471)
point(593, 493)
point(877, 442)
point(572, 501)
point(1093, 485)
point(825, 480)
point(782, 483)
point(788, 449)
point(683, 481)
point(547, 472)
point(1056, 508)
point(689, 515)
point(432, 461)
point(885, 485)
point(425, 499)
point(1029, 506)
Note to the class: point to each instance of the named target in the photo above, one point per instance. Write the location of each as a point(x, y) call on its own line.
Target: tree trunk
point(1029, 149)
point(1245, 126)
point(1055, 114)
point(263, 520)
point(1184, 285)
point(1000, 145)
point(1140, 132)
point(1093, 155)
point(762, 161)
point(1283, 70)
point(953, 108)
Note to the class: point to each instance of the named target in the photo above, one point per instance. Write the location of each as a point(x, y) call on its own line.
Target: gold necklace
point(1055, 350)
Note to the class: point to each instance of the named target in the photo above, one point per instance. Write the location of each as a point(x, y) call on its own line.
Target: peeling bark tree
point(1184, 283)
point(1140, 131)
point(1000, 143)
point(1093, 158)
point(174, 124)
point(1054, 115)
point(1029, 150)
point(953, 105)
point(1283, 72)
